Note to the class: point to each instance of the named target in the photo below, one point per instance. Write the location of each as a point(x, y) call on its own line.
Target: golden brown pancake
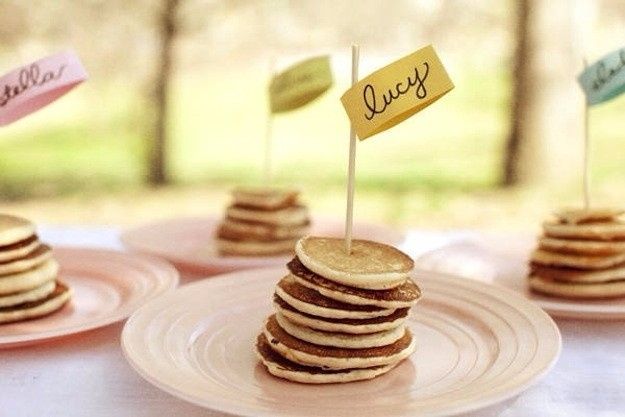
point(36, 309)
point(402, 296)
point(281, 367)
point(310, 296)
point(278, 333)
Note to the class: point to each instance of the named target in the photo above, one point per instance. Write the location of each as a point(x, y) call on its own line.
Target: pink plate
point(108, 286)
point(503, 259)
point(477, 345)
point(188, 243)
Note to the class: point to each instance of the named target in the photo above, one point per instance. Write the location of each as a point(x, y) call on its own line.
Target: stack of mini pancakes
point(262, 222)
point(339, 317)
point(581, 255)
point(28, 273)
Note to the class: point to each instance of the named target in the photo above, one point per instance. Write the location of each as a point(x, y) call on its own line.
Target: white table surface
point(86, 374)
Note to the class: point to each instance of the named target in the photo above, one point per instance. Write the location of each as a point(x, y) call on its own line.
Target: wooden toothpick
point(349, 215)
point(586, 174)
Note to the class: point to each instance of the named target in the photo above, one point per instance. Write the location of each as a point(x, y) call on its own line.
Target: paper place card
point(605, 79)
point(300, 84)
point(396, 92)
point(33, 86)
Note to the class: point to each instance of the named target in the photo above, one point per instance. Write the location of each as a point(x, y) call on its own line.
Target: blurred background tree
point(177, 94)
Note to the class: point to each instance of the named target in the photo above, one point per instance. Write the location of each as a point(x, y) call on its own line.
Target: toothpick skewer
point(349, 216)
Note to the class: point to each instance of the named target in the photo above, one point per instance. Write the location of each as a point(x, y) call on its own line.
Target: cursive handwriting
point(417, 80)
point(604, 75)
point(29, 77)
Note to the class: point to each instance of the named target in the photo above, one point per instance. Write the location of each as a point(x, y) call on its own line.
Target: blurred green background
point(85, 158)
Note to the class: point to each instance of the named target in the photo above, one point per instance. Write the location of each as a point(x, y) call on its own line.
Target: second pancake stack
point(262, 222)
point(28, 274)
point(581, 255)
point(339, 317)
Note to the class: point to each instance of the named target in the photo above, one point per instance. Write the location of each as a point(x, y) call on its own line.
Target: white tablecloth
point(86, 374)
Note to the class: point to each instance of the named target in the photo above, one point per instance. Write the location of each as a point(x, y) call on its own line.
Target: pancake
point(612, 230)
point(19, 249)
point(341, 340)
point(254, 248)
point(30, 310)
point(577, 275)
point(33, 259)
point(35, 294)
point(236, 230)
point(404, 295)
point(611, 289)
point(328, 357)
point(27, 280)
point(353, 326)
point(311, 302)
point(292, 215)
point(14, 229)
point(371, 265)
point(264, 198)
point(581, 247)
point(580, 216)
point(284, 368)
point(543, 257)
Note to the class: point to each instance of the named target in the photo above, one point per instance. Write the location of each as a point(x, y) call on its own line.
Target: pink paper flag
point(33, 86)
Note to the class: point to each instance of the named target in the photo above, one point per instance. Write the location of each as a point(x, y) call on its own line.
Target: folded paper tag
point(300, 84)
point(605, 79)
point(392, 94)
point(31, 87)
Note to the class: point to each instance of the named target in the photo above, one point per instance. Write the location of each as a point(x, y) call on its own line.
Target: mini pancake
point(328, 357)
point(35, 294)
point(341, 340)
point(581, 247)
point(292, 215)
point(577, 275)
point(284, 368)
point(236, 230)
point(27, 280)
point(53, 302)
point(353, 326)
point(613, 230)
point(577, 290)
point(371, 265)
point(580, 216)
point(404, 295)
point(33, 259)
point(254, 248)
point(19, 249)
point(265, 198)
point(543, 257)
point(14, 229)
point(311, 302)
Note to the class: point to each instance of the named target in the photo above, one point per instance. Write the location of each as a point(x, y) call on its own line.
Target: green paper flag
point(605, 79)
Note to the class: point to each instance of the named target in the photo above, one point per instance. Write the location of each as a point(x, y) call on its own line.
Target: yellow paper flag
point(300, 84)
point(396, 92)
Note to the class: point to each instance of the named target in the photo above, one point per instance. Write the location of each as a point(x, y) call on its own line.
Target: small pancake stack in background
point(340, 317)
point(581, 255)
point(262, 222)
point(28, 274)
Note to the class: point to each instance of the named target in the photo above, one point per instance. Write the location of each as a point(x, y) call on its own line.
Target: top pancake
point(14, 229)
point(580, 216)
point(370, 265)
point(265, 198)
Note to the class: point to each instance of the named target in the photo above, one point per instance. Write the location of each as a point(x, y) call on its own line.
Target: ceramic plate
point(477, 345)
point(108, 286)
point(188, 243)
point(503, 259)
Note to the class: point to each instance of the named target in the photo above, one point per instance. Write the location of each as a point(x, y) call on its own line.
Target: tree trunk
point(547, 105)
point(157, 174)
